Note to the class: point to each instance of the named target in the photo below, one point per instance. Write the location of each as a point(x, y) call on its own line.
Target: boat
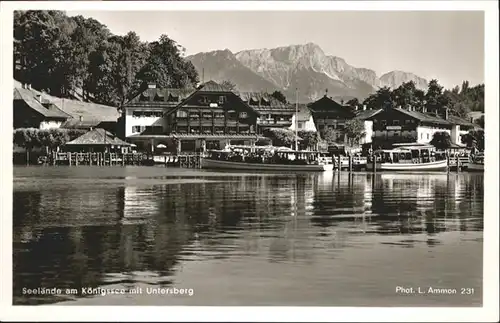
point(407, 158)
point(266, 158)
point(477, 164)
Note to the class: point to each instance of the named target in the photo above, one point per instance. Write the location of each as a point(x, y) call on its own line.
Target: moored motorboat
point(407, 158)
point(477, 164)
point(266, 158)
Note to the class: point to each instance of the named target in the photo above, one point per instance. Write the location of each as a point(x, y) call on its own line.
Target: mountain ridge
point(305, 66)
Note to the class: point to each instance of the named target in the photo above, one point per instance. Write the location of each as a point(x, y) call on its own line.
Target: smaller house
point(303, 119)
point(98, 140)
point(33, 110)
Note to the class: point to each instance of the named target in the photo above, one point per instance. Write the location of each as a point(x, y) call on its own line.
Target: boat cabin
point(415, 154)
point(269, 154)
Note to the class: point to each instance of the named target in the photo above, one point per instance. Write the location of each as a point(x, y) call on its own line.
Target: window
point(407, 121)
point(206, 129)
point(244, 129)
point(172, 98)
point(300, 125)
point(243, 115)
point(182, 129)
point(194, 115)
point(136, 114)
point(136, 129)
point(232, 115)
point(427, 136)
point(219, 115)
point(395, 122)
point(421, 136)
point(181, 114)
point(219, 130)
point(195, 130)
point(222, 99)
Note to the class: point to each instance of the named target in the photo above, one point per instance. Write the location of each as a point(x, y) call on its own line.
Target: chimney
point(446, 113)
point(39, 98)
point(364, 107)
point(28, 86)
point(471, 119)
point(81, 118)
point(151, 85)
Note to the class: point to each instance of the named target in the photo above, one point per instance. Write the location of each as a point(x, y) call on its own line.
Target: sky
point(446, 45)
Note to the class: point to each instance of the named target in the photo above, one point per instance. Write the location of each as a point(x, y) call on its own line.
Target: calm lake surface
point(324, 239)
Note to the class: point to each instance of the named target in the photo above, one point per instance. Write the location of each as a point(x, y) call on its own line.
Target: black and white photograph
point(244, 155)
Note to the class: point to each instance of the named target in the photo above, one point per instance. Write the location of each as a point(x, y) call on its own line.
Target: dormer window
point(222, 99)
point(172, 98)
point(159, 97)
point(204, 100)
point(243, 115)
point(265, 101)
point(144, 96)
point(253, 101)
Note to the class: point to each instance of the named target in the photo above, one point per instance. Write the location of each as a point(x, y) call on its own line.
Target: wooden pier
point(193, 160)
point(116, 159)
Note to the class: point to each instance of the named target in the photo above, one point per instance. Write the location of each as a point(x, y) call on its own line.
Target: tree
point(166, 67)
point(229, 85)
point(353, 103)
point(329, 136)
point(354, 130)
point(441, 140)
point(26, 138)
point(434, 97)
point(406, 95)
point(474, 139)
point(280, 137)
point(382, 99)
point(310, 139)
point(279, 96)
point(480, 122)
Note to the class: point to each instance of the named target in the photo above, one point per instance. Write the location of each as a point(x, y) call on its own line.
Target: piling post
point(374, 157)
point(350, 163)
point(339, 159)
point(448, 162)
point(76, 158)
point(458, 163)
point(69, 158)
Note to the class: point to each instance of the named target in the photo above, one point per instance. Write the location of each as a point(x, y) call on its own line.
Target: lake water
point(225, 238)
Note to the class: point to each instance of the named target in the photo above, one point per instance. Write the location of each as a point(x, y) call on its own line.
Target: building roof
point(424, 117)
point(262, 101)
point(46, 109)
point(366, 114)
point(98, 137)
point(163, 96)
point(304, 113)
point(74, 108)
point(212, 86)
point(75, 123)
point(326, 103)
point(462, 121)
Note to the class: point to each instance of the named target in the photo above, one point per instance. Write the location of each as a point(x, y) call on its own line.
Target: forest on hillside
point(459, 100)
point(79, 57)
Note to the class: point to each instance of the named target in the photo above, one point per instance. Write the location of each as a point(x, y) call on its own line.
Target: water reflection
point(74, 234)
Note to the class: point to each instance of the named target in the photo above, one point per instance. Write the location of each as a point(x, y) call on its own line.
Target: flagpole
point(296, 118)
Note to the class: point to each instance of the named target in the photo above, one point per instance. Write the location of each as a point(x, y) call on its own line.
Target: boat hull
point(475, 167)
point(431, 166)
point(220, 164)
